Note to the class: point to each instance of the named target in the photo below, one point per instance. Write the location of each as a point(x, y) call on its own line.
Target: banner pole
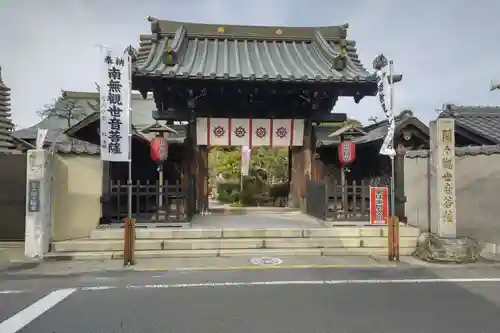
point(129, 182)
point(393, 208)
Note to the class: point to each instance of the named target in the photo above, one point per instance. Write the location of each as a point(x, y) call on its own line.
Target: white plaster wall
point(477, 191)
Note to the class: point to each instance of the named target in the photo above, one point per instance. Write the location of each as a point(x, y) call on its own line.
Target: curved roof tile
point(203, 51)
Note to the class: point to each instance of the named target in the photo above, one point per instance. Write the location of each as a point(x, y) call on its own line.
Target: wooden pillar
point(295, 176)
point(318, 170)
point(301, 168)
point(202, 178)
point(192, 165)
point(399, 186)
point(105, 193)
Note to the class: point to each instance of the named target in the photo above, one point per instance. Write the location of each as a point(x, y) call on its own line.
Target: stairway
point(227, 242)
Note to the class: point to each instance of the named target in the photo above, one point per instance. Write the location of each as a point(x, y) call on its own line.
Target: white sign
point(387, 146)
point(41, 135)
point(249, 132)
point(115, 98)
point(246, 155)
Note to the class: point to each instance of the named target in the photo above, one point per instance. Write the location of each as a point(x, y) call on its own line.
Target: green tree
point(274, 161)
point(226, 162)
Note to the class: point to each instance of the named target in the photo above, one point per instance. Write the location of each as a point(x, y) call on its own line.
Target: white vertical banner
point(385, 102)
point(246, 156)
point(41, 135)
point(202, 131)
point(115, 92)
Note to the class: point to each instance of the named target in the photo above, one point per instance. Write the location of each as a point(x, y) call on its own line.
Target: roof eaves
point(80, 95)
point(380, 131)
point(452, 113)
point(415, 122)
point(459, 151)
point(81, 124)
point(229, 30)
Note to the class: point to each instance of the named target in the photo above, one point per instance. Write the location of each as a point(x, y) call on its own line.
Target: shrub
point(228, 191)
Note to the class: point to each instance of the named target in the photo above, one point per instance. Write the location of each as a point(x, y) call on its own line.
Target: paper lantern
point(158, 149)
point(347, 152)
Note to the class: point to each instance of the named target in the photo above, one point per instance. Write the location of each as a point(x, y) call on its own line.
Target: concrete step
point(214, 233)
point(104, 255)
point(228, 210)
point(97, 245)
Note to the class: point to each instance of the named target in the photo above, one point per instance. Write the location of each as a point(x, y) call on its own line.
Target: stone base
point(460, 250)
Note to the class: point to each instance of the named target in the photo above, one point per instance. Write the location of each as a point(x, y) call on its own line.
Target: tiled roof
point(84, 104)
point(322, 135)
point(378, 130)
point(94, 118)
point(87, 104)
point(459, 151)
point(480, 120)
point(204, 51)
point(6, 126)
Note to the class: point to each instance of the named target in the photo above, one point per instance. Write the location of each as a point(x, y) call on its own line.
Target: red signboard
point(379, 205)
point(347, 152)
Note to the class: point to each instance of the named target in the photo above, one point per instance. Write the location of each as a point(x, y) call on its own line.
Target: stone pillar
point(38, 203)
point(442, 173)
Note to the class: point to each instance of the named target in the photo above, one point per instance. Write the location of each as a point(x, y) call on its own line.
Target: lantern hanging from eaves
point(158, 149)
point(347, 152)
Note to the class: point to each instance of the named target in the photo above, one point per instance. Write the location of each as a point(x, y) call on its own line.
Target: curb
point(235, 268)
point(251, 210)
point(19, 265)
point(74, 274)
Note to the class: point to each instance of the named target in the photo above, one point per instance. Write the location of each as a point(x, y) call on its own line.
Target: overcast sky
point(448, 50)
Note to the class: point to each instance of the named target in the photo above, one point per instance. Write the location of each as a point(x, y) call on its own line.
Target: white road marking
point(97, 288)
point(12, 291)
point(314, 282)
point(266, 261)
point(26, 316)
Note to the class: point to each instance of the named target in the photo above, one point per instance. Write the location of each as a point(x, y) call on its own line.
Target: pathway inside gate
point(256, 219)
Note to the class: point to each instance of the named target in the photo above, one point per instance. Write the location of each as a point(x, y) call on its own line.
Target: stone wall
point(477, 177)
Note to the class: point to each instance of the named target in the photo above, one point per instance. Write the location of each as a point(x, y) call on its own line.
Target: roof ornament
point(494, 85)
point(1, 74)
point(220, 30)
point(279, 32)
point(406, 113)
point(155, 24)
point(340, 61)
point(380, 62)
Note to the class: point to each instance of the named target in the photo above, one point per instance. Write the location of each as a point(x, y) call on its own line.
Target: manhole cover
point(266, 261)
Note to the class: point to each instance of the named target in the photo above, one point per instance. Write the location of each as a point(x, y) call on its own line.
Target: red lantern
point(158, 149)
point(347, 152)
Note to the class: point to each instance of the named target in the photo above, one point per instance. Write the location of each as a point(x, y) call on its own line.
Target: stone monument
point(443, 245)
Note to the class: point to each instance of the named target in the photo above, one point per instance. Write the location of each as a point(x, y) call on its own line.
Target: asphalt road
point(350, 300)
